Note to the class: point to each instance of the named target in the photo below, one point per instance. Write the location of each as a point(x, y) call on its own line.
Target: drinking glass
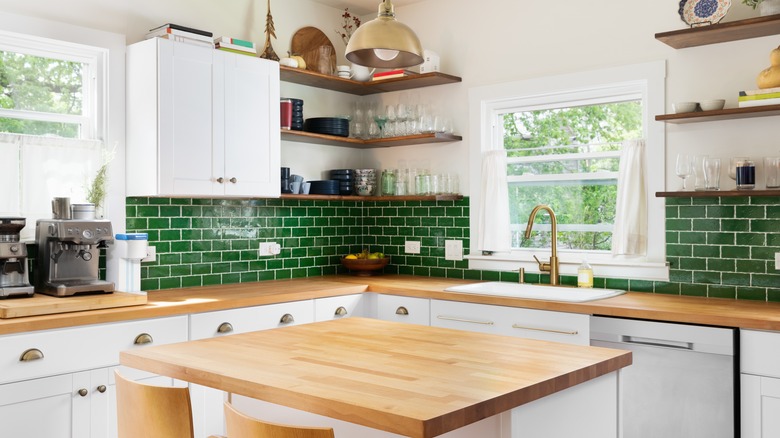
point(697, 165)
point(683, 168)
point(402, 116)
point(380, 120)
point(390, 128)
point(711, 173)
point(733, 163)
point(772, 172)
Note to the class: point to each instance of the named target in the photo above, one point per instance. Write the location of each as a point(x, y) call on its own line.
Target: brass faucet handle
point(543, 267)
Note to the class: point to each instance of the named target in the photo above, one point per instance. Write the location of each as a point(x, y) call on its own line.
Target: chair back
point(152, 411)
point(239, 425)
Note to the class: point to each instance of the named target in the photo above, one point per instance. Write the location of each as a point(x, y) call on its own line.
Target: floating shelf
point(721, 32)
point(717, 193)
point(724, 114)
point(334, 140)
point(335, 83)
point(375, 198)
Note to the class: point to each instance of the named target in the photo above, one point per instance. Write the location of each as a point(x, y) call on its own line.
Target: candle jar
point(746, 175)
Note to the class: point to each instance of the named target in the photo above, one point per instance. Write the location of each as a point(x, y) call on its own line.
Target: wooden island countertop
point(413, 380)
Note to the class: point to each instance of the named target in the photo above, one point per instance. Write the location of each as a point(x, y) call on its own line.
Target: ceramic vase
point(769, 7)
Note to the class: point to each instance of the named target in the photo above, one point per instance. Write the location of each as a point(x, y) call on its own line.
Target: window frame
point(486, 102)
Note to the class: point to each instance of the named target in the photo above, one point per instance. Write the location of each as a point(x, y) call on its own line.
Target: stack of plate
point(297, 114)
point(326, 125)
point(345, 177)
point(324, 187)
point(365, 182)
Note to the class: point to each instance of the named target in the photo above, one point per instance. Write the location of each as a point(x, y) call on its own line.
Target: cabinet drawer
point(81, 348)
point(404, 309)
point(248, 319)
point(343, 306)
point(760, 352)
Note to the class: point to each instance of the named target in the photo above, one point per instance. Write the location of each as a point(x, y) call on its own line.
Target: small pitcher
point(361, 73)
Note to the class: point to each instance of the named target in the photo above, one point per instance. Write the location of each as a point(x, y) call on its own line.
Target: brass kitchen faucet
point(552, 266)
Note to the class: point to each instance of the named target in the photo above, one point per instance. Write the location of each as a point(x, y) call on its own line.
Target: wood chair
point(152, 411)
point(239, 425)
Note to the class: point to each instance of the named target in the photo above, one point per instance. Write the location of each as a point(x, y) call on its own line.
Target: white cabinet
point(760, 383)
point(570, 328)
point(342, 306)
point(201, 122)
point(404, 309)
point(65, 376)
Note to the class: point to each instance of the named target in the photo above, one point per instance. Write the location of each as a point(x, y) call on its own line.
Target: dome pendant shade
point(384, 42)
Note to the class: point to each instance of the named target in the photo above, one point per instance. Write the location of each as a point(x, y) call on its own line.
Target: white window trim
point(485, 101)
point(110, 125)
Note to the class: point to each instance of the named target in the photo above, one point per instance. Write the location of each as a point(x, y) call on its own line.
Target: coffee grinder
point(14, 278)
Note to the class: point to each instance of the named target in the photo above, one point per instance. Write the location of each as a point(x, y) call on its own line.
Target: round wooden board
point(306, 42)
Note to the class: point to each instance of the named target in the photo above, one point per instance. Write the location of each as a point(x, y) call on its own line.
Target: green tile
point(735, 279)
point(693, 290)
point(754, 266)
point(750, 211)
point(703, 225)
point(717, 291)
point(700, 238)
point(720, 211)
point(693, 212)
point(751, 293)
point(706, 277)
point(722, 265)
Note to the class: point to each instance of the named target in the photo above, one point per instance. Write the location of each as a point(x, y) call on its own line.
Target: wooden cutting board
point(46, 305)
point(306, 42)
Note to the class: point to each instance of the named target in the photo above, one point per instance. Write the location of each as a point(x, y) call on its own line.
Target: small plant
point(350, 24)
point(97, 190)
point(752, 3)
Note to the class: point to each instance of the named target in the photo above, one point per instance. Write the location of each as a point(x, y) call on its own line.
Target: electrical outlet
point(412, 247)
point(777, 261)
point(269, 249)
point(151, 254)
point(453, 250)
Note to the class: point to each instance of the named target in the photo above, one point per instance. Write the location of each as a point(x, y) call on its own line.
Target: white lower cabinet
point(546, 325)
point(404, 309)
point(344, 306)
point(760, 384)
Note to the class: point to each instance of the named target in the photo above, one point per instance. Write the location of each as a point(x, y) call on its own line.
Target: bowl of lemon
point(365, 263)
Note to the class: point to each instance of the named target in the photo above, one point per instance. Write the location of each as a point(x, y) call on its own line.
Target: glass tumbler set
point(706, 172)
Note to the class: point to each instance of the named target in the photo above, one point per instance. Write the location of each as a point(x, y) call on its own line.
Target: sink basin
point(537, 292)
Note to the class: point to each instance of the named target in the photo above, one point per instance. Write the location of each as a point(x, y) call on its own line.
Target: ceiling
point(362, 7)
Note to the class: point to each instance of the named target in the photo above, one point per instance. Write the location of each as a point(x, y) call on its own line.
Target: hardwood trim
point(724, 114)
point(335, 83)
point(721, 32)
point(718, 193)
point(334, 140)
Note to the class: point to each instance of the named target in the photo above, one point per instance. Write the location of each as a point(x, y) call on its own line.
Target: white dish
point(685, 107)
point(712, 105)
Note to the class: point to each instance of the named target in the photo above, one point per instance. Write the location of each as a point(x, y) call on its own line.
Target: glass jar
point(388, 182)
point(746, 175)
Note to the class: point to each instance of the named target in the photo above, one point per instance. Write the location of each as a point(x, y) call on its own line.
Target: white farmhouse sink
point(537, 292)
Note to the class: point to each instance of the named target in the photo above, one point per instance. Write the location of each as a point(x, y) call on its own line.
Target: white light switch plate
point(412, 247)
point(269, 249)
point(453, 250)
point(777, 261)
point(151, 254)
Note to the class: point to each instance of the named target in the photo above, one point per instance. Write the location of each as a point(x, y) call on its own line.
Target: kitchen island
point(406, 379)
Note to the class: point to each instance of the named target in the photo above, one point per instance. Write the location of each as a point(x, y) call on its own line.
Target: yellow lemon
point(351, 257)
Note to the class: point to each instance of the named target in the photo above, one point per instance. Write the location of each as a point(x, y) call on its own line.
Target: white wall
point(484, 42)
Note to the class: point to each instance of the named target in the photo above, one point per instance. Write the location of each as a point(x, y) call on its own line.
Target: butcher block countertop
point(697, 310)
point(407, 379)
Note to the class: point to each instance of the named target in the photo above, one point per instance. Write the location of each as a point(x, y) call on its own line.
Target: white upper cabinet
point(201, 122)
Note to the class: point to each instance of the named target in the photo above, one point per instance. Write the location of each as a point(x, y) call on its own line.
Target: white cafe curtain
point(493, 233)
point(629, 236)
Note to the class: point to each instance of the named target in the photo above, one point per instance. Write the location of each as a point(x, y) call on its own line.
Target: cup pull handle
point(287, 319)
point(225, 327)
point(401, 310)
point(341, 311)
point(143, 338)
point(30, 355)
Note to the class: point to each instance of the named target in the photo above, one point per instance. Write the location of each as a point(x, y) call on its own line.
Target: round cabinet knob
point(83, 392)
point(401, 310)
point(101, 389)
point(143, 338)
point(341, 311)
point(220, 180)
point(225, 327)
point(30, 355)
point(233, 180)
point(287, 319)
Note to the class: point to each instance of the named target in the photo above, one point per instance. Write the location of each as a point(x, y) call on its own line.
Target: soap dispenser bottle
point(585, 275)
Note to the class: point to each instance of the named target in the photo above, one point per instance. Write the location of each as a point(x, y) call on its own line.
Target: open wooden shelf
point(724, 114)
point(718, 193)
point(335, 83)
point(721, 32)
point(376, 198)
point(334, 140)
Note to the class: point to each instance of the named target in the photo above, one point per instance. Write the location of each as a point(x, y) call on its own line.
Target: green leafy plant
point(752, 3)
point(97, 190)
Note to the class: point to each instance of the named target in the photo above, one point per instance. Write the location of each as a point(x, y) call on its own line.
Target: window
point(563, 138)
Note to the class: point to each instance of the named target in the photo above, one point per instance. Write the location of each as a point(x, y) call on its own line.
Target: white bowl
point(684, 107)
point(712, 105)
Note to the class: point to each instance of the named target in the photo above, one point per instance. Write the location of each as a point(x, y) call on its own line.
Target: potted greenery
point(765, 7)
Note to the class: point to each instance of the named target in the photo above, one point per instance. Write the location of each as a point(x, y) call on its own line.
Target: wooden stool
point(152, 411)
point(239, 425)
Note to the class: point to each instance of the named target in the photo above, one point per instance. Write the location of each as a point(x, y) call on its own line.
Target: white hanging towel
point(629, 236)
point(493, 233)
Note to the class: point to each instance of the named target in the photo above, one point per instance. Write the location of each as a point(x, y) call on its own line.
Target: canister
point(285, 115)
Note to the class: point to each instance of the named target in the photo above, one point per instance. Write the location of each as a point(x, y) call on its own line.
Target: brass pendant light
point(384, 42)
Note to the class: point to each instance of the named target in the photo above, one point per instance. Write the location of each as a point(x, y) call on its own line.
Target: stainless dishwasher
point(682, 382)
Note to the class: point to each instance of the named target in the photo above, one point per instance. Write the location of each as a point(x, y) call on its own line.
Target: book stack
point(767, 96)
point(175, 32)
point(390, 74)
point(235, 45)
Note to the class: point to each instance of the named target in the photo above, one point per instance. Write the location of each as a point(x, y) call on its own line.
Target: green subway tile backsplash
point(716, 247)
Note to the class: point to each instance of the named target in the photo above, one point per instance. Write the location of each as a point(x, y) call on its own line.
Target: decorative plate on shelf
point(703, 12)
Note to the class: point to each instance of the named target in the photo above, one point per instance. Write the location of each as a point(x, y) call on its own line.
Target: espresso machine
point(69, 248)
point(14, 278)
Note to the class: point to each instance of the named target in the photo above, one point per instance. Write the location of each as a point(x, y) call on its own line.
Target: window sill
point(603, 268)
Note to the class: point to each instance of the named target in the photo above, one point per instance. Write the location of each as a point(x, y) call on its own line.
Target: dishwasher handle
point(652, 342)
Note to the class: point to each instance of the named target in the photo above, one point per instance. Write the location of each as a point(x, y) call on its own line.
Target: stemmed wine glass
point(402, 115)
point(683, 168)
point(391, 127)
point(380, 120)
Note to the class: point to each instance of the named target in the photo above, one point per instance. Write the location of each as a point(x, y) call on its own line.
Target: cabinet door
point(760, 405)
point(186, 119)
point(23, 406)
point(404, 309)
point(251, 136)
point(344, 306)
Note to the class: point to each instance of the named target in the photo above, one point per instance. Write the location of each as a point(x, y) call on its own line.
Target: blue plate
point(703, 12)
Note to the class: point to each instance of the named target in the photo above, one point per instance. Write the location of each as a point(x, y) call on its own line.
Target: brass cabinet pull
point(225, 327)
point(101, 389)
point(538, 329)
point(220, 180)
point(30, 355)
point(341, 311)
point(233, 180)
point(287, 319)
point(401, 310)
point(143, 338)
point(83, 392)
point(472, 321)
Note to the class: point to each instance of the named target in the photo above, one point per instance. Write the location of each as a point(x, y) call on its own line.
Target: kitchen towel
point(493, 232)
point(629, 236)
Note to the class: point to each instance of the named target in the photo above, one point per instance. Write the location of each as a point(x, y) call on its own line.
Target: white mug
point(361, 73)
